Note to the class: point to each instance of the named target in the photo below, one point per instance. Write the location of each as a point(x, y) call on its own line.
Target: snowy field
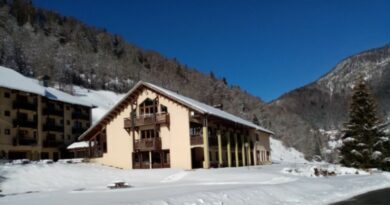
point(81, 183)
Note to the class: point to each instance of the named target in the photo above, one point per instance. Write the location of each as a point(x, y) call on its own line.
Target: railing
point(80, 115)
point(53, 127)
point(146, 165)
point(52, 143)
point(25, 123)
point(25, 105)
point(23, 140)
point(52, 111)
point(78, 130)
point(147, 144)
point(196, 139)
point(143, 120)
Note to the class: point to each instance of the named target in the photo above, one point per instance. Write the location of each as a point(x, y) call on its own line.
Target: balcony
point(53, 111)
point(80, 115)
point(196, 139)
point(53, 127)
point(147, 144)
point(78, 130)
point(160, 118)
point(24, 105)
point(24, 140)
point(25, 123)
point(52, 143)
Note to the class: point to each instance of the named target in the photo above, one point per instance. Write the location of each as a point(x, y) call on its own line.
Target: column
point(206, 162)
point(150, 160)
point(236, 149)
point(243, 154)
point(219, 148)
point(228, 150)
point(249, 153)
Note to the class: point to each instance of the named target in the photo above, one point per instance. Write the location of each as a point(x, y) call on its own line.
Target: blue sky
point(266, 47)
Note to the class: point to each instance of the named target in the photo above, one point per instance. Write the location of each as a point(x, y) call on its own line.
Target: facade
point(37, 122)
point(152, 127)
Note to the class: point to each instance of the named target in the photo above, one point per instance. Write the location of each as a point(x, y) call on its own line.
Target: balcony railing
point(196, 139)
point(78, 130)
point(52, 111)
point(80, 115)
point(25, 105)
point(52, 143)
point(23, 140)
point(148, 144)
point(25, 123)
point(143, 120)
point(53, 127)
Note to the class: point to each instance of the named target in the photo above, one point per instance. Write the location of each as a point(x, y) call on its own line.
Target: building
point(152, 127)
point(38, 122)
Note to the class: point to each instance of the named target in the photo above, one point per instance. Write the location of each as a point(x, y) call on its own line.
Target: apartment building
point(152, 127)
point(36, 121)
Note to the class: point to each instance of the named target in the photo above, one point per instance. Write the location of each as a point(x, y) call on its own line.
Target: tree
point(363, 139)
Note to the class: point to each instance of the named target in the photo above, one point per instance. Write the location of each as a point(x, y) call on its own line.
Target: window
point(7, 113)
point(35, 135)
point(67, 108)
point(68, 122)
point(7, 131)
point(149, 134)
point(7, 95)
point(164, 109)
point(68, 137)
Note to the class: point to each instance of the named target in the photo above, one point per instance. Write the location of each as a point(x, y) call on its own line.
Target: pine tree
point(363, 140)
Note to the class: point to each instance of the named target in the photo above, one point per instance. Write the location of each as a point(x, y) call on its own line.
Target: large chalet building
point(152, 127)
point(36, 121)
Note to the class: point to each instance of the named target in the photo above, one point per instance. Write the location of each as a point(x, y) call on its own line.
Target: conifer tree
point(363, 140)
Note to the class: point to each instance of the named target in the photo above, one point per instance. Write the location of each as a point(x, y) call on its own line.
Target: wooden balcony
point(52, 111)
point(24, 105)
point(52, 143)
point(53, 127)
point(24, 140)
point(196, 139)
point(147, 144)
point(25, 123)
point(159, 118)
point(80, 115)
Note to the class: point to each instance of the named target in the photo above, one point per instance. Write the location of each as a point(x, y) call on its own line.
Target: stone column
point(219, 148)
point(206, 162)
point(228, 150)
point(236, 149)
point(249, 153)
point(243, 154)
point(150, 160)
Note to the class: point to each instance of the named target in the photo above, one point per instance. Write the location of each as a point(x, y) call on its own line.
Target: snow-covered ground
point(62, 183)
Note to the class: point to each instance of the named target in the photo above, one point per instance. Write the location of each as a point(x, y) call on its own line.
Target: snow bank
point(309, 170)
point(281, 153)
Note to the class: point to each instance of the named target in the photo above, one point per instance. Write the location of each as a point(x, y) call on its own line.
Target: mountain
point(39, 42)
point(305, 113)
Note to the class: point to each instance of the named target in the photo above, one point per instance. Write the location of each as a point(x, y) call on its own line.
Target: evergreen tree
point(363, 140)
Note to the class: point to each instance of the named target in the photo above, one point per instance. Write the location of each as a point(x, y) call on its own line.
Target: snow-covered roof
point(80, 145)
point(191, 103)
point(16, 81)
point(204, 108)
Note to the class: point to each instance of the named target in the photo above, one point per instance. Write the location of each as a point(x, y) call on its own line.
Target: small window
point(7, 95)
point(68, 137)
point(63, 137)
point(7, 131)
point(68, 122)
point(35, 135)
point(67, 108)
point(7, 113)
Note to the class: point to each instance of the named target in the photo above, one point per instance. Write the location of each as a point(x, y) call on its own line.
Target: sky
point(266, 47)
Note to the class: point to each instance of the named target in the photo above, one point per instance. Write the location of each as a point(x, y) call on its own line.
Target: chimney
point(219, 106)
point(44, 80)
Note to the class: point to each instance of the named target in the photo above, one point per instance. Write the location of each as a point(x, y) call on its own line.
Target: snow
point(308, 170)
point(16, 81)
point(203, 108)
point(281, 153)
point(82, 183)
point(82, 144)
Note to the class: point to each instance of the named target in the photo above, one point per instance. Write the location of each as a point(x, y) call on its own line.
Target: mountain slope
point(323, 104)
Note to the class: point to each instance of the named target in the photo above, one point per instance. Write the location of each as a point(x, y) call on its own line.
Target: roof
point(189, 102)
point(80, 145)
point(16, 81)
